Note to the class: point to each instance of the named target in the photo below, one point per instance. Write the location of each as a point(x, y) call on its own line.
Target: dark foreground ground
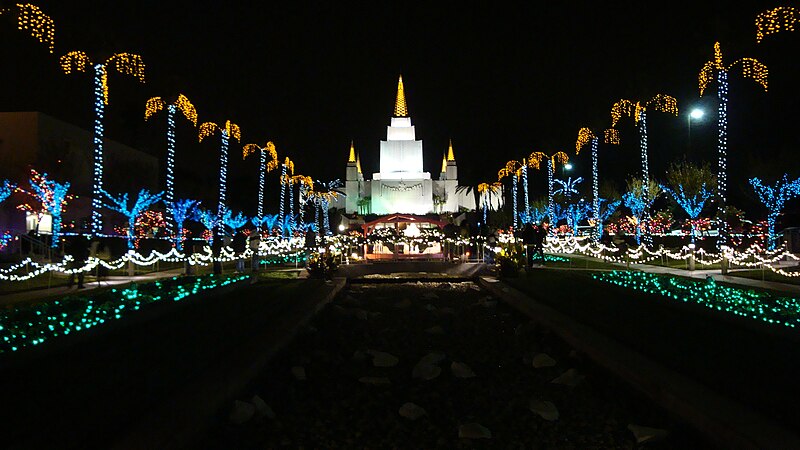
point(345, 401)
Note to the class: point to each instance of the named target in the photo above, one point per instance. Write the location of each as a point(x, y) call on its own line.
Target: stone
point(646, 434)
point(426, 371)
point(461, 370)
point(474, 431)
point(262, 408)
point(383, 359)
point(412, 411)
point(569, 378)
point(241, 412)
point(432, 358)
point(543, 360)
point(545, 409)
point(299, 372)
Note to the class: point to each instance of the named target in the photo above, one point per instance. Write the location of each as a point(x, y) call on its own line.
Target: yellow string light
point(560, 157)
point(776, 20)
point(153, 106)
point(624, 107)
point(751, 68)
point(450, 156)
point(249, 149)
point(128, 64)
point(206, 129)
point(611, 136)
point(585, 136)
point(400, 109)
point(187, 108)
point(31, 19)
point(535, 159)
point(272, 164)
point(75, 61)
point(289, 165)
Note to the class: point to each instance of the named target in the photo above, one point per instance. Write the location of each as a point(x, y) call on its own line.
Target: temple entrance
point(403, 237)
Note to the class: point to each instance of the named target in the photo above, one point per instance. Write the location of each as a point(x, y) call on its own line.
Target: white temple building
point(402, 185)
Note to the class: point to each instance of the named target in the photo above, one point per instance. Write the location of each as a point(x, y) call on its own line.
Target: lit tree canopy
point(775, 198)
point(775, 20)
point(121, 204)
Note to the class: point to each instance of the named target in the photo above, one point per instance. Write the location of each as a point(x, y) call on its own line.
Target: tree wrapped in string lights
point(210, 220)
point(691, 187)
point(322, 195)
point(514, 169)
point(181, 211)
point(586, 136)
point(552, 160)
point(638, 110)
point(6, 189)
point(264, 166)
point(233, 221)
point(124, 63)
point(775, 20)
point(32, 19)
point(751, 68)
point(287, 171)
point(121, 205)
point(606, 208)
point(775, 198)
point(229, 131)
point(52, 198)
point(639, 199)
point(183, 105)
point(486, 191)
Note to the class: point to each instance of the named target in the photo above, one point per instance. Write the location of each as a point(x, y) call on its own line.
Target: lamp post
point(695, 114)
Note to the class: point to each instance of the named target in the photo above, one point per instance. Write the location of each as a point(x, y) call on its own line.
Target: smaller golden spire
point(444, 164)
point(358, 163)
point(352, 157)
point(400, 109)
point(450, 156)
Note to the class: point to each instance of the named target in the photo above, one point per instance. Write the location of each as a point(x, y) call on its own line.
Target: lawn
point(712, 347)
point(765, 275)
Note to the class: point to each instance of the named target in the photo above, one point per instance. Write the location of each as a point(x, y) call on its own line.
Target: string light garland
point(230, 130)
point(124, 63)
point(771, 21)
point(775, 198)
point(32, 19)
point(751, 68)
point(154, 105)
point(779, 311)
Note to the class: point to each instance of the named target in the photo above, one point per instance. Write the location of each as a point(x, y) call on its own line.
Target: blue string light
point(181, 211)
point(514, 193)
point(169, 195)
point(6, 189)
point(525, 187)
point(775, 198)
point(142, 203)
point(568, 187)
point(722, 147)
point(99, 109)
point(595, 189)
point(262, 168)
point(644, 218)
point(223, 177)
point(550, 206)
point(693, 204)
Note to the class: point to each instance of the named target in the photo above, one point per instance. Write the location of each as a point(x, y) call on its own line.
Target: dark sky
point(500, 80)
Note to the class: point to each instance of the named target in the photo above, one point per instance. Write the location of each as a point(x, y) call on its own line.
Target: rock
point(569, 378)
point(547, 410)
point(474, 431)
point(436, 329)
point(426, 371)
point(543, 360)
point(241, 412)
point(647, 434)
point(461, 370)
point(432, 358)
point(299, 372)
point(412, 411)
point(383, 359)
point(403, 304)
point(262, 408)
point(375, 380)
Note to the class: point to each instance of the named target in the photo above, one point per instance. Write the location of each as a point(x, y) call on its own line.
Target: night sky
point(501, 81)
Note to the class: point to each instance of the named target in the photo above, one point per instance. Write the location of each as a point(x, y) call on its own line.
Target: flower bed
point(748, 303)
point(32, 325)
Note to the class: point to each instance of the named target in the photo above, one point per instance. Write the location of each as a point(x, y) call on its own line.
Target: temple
point(402, 185)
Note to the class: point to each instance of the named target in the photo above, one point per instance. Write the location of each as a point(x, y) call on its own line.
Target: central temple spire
point(400, 109)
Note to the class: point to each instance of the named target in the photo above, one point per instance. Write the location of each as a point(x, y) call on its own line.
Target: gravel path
point(437, 365)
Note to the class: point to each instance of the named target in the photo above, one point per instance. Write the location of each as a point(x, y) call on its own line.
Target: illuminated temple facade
point(402, 185)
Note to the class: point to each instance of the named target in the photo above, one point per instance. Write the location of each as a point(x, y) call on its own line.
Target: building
point(402, 185)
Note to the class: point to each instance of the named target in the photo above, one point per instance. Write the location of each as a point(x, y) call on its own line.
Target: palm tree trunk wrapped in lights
point(264, 166)
point(751, 68)
point(638, 110)
point(125, 63)
point(230, 130)
point(183, 105)
point(585, 136)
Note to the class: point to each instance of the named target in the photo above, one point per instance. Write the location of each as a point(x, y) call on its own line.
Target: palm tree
point(287, 171)
point(322, 195)
point(776, 20)
point(513, 168)
point(751, 68)
point(585, 136)
point(230, 130)
point(263, 167)
point(183, 105)
point(552, 159)
point(124, 63)
point(638, 110)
